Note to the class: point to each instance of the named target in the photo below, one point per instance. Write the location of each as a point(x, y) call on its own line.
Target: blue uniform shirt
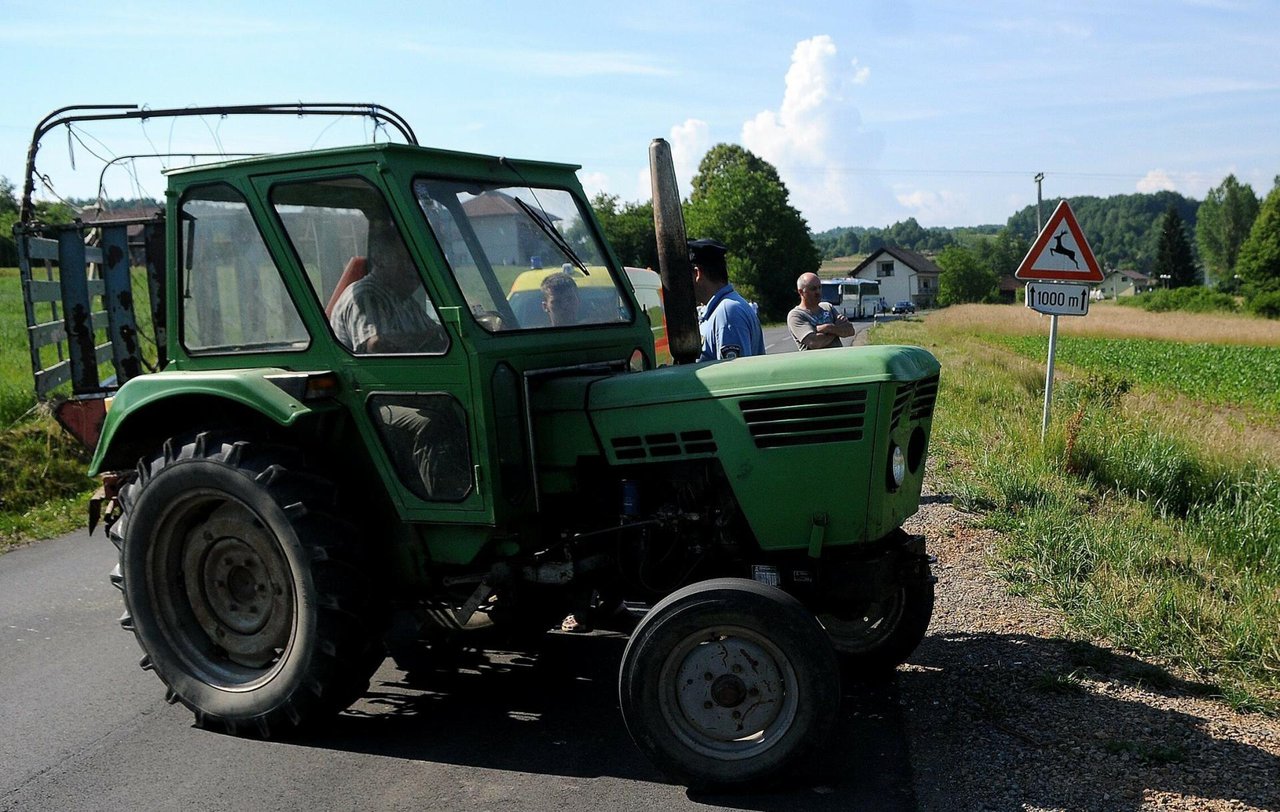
point(729, 327)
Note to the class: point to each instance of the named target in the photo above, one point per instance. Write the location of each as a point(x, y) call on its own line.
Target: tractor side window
point(233, 299)
point(359, 266)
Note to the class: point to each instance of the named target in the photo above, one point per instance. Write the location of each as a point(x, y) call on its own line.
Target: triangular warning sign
point(1060, 252)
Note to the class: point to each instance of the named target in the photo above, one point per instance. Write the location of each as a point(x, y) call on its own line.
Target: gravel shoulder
point(1006, 708)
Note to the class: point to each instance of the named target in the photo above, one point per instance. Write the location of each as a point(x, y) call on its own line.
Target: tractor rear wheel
point(250, 600)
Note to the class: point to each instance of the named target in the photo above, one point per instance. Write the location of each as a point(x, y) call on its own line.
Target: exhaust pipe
point(673, 257)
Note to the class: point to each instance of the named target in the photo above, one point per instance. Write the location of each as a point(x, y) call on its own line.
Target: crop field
point(1151, 513)
point(1224, 374)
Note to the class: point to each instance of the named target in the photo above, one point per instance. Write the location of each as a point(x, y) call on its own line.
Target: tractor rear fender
point(149, 409)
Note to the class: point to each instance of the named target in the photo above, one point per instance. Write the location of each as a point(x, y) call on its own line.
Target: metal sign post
point(1048, 378)
point(1059, 253)
point(1055, 299)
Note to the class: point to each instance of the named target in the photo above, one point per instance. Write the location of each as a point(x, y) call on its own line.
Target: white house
point(903, 276)
point(1118, 283)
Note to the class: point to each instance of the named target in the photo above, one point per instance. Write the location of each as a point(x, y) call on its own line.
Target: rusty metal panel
point(156, 266)
point(40, 290)
point(122, 326)
point(77, 313)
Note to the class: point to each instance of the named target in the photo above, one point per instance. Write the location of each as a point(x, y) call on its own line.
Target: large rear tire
point(250, 600)
point(727, 682)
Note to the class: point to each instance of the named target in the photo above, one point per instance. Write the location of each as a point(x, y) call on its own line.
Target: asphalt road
point(83, 728)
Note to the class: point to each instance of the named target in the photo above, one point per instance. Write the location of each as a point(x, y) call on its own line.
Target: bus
point(855, 298)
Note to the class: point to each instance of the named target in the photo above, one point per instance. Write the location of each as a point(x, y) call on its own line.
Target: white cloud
point(929, 207)
point(816, 140)
point(860, 75)
point(1157, 180)
point(593, 182)
point(689, 142)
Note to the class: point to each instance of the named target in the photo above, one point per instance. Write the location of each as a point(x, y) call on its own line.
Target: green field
point(15, 360)
point(1215, 373)
point(840, 267)
point(1150, 515)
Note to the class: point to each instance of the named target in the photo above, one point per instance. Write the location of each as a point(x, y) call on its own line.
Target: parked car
point(903, 307)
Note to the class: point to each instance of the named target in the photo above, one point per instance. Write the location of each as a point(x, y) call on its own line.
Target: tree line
point(1230, 241)
point(45, 211)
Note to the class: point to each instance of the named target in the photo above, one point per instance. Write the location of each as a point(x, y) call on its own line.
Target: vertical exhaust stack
point(673, 256)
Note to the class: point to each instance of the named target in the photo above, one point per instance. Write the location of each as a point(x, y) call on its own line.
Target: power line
point(868, 170)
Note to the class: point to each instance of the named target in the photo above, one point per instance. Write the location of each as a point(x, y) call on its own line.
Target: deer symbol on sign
point(1058, 248)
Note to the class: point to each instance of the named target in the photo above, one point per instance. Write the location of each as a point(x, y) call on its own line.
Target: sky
point(872, 112)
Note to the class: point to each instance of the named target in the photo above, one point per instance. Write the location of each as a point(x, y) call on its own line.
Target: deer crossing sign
point(1061, 252)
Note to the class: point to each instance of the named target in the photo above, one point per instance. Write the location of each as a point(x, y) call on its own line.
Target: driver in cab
point(385, 311)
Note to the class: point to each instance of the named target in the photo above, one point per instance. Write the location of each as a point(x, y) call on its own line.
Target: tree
point(1003, 254)
point(1259, 261)
point(739, 199)
point(1222, 225)
point(1175, 263)
point(629, 229)
point(8, 216)
point(1123, 230)
point(965, 278)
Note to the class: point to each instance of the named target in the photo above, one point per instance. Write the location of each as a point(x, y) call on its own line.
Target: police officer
point(728, 324)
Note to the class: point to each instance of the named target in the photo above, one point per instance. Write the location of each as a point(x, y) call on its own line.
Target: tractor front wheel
point(727, 682)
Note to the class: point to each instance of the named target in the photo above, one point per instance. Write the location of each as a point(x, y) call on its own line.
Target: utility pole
point(1039, 178)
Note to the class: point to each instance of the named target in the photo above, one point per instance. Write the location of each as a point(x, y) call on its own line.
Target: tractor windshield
point(524, 258)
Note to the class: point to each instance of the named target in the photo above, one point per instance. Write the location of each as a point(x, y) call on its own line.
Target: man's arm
point(837, 329)
point(806, 335)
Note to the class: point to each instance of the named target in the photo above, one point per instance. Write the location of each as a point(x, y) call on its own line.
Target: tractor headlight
point(897, 467)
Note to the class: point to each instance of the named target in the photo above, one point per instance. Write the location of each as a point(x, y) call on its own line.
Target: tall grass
point(1108, 320)
point(1148, 532)
point(44, 484)
point(16, 389)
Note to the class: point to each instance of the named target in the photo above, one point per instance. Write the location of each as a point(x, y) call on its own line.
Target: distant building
point(1117, 283)
point(507, 232)
point(904, 276)
point(1008, 288)
point(135, 230)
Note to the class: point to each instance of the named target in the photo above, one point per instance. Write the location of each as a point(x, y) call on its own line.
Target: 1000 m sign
point(1058, 299)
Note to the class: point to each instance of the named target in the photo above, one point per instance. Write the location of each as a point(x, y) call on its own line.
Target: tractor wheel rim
point(730, 692)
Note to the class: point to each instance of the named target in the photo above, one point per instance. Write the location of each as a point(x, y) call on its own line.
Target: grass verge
point(44, 489)
point(1143, 528)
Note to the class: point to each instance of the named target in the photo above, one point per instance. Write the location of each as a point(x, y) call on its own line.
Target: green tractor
point(288, 484)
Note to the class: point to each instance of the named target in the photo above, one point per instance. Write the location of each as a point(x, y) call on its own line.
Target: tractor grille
point(668, 444)
point(915, 400)
point(806, 419)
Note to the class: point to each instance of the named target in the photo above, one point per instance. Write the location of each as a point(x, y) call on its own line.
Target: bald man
point(815, 324)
